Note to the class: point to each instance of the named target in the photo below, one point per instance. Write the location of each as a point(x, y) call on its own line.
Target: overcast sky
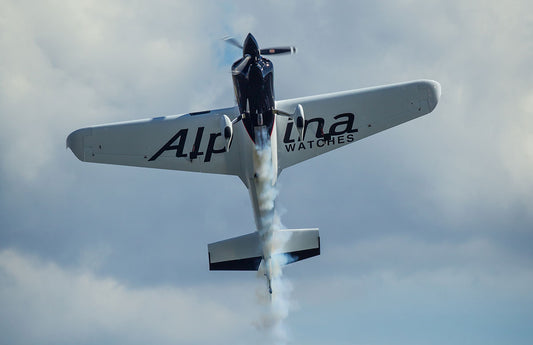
point(426, 229)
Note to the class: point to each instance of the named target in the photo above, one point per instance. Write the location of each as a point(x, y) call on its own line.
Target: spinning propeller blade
point(265, 51)
point(278, 50)
point(232, 41)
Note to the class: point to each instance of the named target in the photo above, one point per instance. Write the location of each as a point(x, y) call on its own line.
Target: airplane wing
point(337, 119)
point(190, 142)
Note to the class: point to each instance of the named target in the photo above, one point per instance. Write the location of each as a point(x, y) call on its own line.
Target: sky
point(426, 229)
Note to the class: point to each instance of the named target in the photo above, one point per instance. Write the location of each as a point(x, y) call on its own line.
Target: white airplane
point(233, 141)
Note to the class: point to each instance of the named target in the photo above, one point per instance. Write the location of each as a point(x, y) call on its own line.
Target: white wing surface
point(190, 142)
point(336, 119)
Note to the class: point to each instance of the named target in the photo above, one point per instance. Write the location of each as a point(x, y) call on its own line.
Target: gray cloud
point(438, 207)
point(44, 303)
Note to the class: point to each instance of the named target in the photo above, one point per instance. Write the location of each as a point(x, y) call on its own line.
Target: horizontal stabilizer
point(244, 253)
point(241, 253)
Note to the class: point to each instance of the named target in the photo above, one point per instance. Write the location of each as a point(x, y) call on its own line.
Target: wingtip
point(75, 142)
point(431, 91)
point(435, 93)
point(436, 88)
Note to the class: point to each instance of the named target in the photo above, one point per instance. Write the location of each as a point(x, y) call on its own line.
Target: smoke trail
point(278, 305)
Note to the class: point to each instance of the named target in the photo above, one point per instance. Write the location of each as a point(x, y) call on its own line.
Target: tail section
point(245, 253)
point(241, 253)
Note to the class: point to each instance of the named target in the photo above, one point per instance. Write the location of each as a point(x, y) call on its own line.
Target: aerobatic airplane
point(231, 140)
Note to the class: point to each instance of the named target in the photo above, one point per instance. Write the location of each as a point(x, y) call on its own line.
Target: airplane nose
point(250, 46)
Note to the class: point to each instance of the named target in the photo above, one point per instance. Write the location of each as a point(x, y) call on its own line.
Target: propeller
point(278, 50)
point(232, 41)
point(265, 51)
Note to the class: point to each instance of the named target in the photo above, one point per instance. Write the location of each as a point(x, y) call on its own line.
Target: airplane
point(256, 140)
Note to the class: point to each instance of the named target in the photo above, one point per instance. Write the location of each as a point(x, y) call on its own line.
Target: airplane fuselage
point(253, 81)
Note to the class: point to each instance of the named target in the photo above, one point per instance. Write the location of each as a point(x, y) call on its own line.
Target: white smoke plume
point(278, 302)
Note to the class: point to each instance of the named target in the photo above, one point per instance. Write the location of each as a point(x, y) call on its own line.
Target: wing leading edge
point(190, 142)
point(194, 142)
point(337, 119)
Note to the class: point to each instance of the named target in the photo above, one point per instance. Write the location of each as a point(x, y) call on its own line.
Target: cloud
point(440, 206)
point(470, 159)
point(67, 65)
point(406, 256)
point(47, 304)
